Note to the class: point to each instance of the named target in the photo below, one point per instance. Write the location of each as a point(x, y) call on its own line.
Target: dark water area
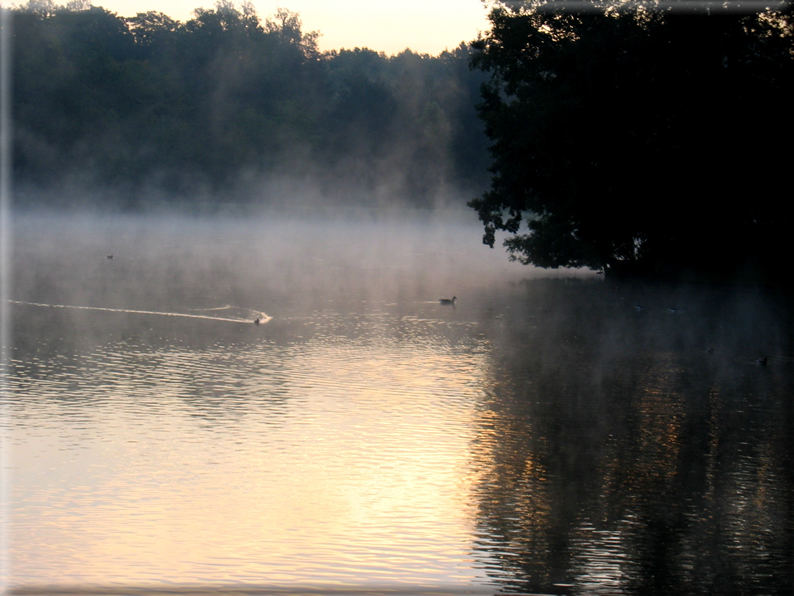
point(545, 435)
point(643, 450)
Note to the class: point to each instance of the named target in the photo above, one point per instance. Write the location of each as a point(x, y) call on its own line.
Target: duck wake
point(245, 315)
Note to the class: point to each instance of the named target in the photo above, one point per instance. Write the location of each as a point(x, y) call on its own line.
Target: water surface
point(544, 435)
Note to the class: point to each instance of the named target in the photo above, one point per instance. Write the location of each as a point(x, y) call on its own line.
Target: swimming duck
point(448, 301)
point(256, 321)
point(761, 361)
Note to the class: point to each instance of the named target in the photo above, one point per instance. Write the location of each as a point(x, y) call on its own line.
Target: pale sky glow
point(426, 26)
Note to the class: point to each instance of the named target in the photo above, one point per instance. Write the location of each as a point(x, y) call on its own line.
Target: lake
point(548, 433)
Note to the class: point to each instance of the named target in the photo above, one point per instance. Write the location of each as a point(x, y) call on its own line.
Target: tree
point(287, 25)
point(152, 28)
point(618, 136)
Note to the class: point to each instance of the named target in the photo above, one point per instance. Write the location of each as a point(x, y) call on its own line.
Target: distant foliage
point(226, 100)
point(638, 142)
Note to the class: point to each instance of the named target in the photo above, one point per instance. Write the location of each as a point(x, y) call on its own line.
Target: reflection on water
point(545, 436)
point(639, 451)
point(305, 462)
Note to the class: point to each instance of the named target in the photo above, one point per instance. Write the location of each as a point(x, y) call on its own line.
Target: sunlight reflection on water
point(311, 462)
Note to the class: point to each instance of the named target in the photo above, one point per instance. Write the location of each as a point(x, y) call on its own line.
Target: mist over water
point(564, 435)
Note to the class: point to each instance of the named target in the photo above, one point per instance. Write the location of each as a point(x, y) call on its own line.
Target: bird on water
point(256, 321)
point(448, 301)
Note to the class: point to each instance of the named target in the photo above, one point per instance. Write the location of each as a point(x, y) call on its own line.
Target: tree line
point(215, 105)
point(634, 139)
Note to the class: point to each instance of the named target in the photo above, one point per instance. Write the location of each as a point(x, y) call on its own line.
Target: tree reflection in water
point(638, 451)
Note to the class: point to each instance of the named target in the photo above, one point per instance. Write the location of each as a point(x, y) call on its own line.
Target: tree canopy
point(226, 100)
point(637, 141)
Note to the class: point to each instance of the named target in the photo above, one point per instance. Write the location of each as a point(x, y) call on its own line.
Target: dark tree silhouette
point(636, 142)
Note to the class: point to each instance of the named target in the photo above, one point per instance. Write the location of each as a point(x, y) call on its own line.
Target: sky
point(425, 26)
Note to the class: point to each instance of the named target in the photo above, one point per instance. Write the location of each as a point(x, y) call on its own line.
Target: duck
point(762, 361)
point(256, 321)
point(448, 301)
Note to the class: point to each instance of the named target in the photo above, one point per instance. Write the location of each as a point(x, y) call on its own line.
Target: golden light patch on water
point(308, 463)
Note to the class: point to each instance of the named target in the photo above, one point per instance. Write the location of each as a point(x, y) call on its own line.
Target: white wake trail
point(263, 318)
